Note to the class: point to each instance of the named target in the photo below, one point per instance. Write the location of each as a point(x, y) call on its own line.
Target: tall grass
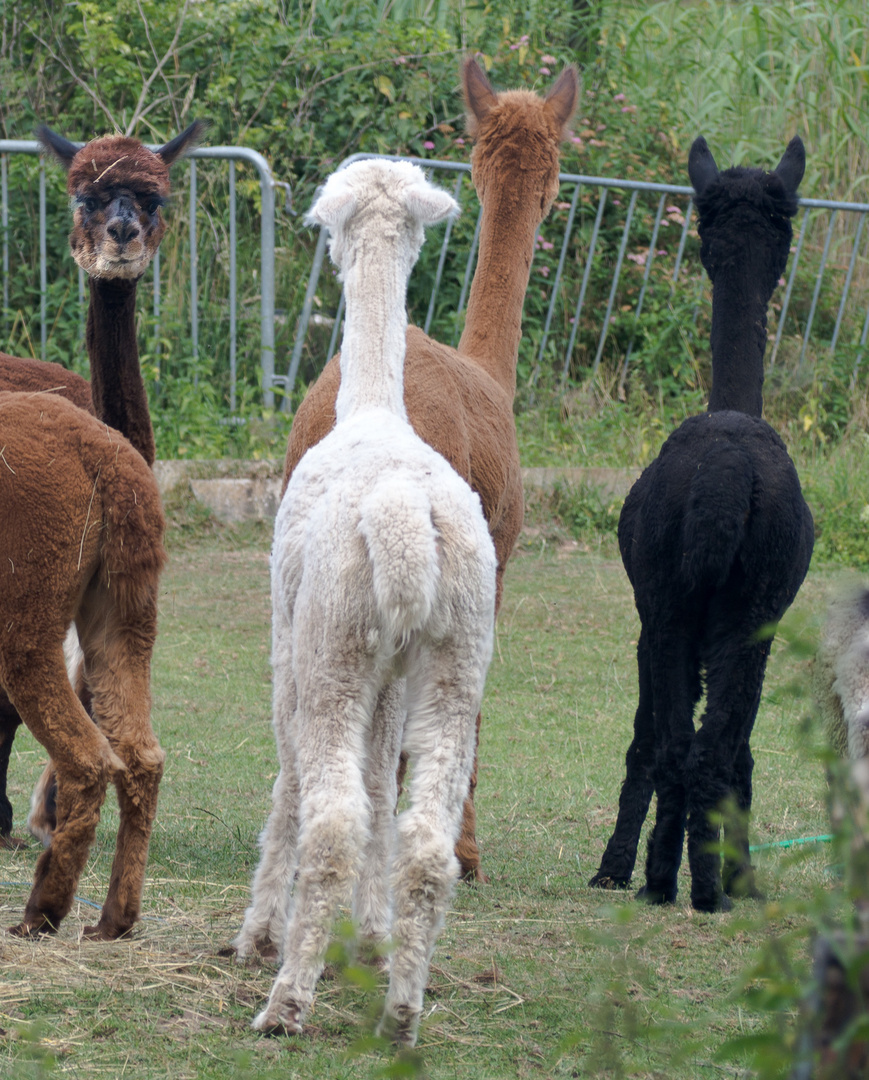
point(751, 75)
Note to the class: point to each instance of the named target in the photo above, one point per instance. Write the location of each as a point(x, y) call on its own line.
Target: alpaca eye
point(90, 204)
point(152, 206)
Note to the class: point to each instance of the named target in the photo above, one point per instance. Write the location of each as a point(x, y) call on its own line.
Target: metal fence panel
point(266, 285)
point(612, 264)
point(608, 236)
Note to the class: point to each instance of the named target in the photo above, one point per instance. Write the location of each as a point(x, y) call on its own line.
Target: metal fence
point(266, 284)
point(616, 268)
point(608, 258)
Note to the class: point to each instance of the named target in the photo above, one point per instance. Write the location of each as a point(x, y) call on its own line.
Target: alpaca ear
point(561, 99)
point(430, 204)
point(792, 166)
point(182, 144)
point(701, 165)
point(62, 150)
point(331, 208)
point(479, 95)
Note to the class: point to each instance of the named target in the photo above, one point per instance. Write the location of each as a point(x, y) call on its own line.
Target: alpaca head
point(381, 205)
point(745, 215)
point(517, 134)
point(116, 187)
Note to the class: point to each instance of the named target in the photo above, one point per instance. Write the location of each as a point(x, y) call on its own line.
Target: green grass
point(535, 975)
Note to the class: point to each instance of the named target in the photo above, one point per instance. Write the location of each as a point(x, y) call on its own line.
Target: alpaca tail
point(719, 506)
point(396, 523)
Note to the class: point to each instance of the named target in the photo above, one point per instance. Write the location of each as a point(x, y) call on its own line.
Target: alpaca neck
point(493, 325)
point(116, 379)
point(738, 342)
point(373, 347)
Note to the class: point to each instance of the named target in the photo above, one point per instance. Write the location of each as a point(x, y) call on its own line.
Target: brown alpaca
point(461, 400)
point(116, 187)
point(81, 531)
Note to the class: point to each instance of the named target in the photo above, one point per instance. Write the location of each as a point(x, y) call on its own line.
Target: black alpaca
point(716, 539)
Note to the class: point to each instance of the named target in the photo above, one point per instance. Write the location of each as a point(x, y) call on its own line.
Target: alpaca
point(461, 401)
point(116, 187)
point(81, 529)
point(383, 590)
point(840, 673)
point(716, 539)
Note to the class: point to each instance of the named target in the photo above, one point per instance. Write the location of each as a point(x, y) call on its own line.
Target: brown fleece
point(461, 401)
point(81, 536)
point(37, 376)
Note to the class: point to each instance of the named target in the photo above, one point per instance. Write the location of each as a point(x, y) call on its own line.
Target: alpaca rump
point(383, 599)
point(716, 539)
point(81, 530)
point(460, 401)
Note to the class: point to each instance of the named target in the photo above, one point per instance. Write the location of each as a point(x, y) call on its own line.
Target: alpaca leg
point(117, 660)
point(265, 920)
point(443, 698)
point(718, 768)
point(372, 907)
point(42, 818)
point(331, 730)
point(467, 851)
point(617, 864)
point(332, 836)
point(38, 687)
point(675, 688)
point(737, 873)
point(9, 721)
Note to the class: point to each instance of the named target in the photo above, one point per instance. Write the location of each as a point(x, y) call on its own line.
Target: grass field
point(535, 975)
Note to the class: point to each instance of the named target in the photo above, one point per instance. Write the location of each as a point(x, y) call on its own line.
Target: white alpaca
point(383, 596)
point(840, 677)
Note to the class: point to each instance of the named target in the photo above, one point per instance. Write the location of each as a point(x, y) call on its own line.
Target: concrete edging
point(236, 491)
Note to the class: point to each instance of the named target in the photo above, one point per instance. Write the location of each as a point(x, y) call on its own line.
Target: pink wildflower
point(619, 97)
point(545, 71)
point(460, 142)
point(428, 145)
point(548, 60)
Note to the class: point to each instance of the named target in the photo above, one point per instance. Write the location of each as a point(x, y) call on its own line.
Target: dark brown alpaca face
point(116, 230)
point(116, 187)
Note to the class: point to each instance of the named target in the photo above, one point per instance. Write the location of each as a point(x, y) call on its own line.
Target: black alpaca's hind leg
point(9, 721)
point(737, 873)
point(617, 865)
point(676, 686)
point(718, 769)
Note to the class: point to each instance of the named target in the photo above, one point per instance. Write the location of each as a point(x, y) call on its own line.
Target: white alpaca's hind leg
point(266, 918)
point(443, 694)
point(331, 841)
point(332, 727)
point(372, 909)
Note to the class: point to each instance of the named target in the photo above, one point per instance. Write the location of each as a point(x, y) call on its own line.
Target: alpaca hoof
point(656, 897)
point(473, 874)
point(399, 1026)
point(12, 843)
point(743, 887)
point(106, 930)
point(608, 881)
point(285, 1019)
point(32, 930)
point(720, 903)
point(253, 953)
